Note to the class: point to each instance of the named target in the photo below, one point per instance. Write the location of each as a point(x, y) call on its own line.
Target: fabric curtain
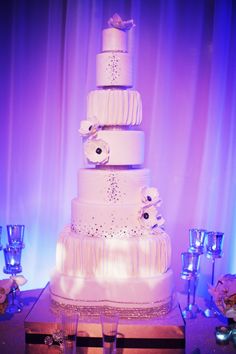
point(184, 64)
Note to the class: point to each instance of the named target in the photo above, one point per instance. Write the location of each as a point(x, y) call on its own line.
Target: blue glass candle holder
point(214, 250)
point(190, 271)
point(196, 245)
point(196, 240)
point(223, 335)
point(12, 257)
point(15, 235)
point(214, 244)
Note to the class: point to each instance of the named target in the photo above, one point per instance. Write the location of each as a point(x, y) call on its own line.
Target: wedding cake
point(115, 251)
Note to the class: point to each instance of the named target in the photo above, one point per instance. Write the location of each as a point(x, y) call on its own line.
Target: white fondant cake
point(114, 69)
point(115, 251)
point(115, 107)
point(116, 147)
point(114, 40)
point(99, 257)
point(118, 187)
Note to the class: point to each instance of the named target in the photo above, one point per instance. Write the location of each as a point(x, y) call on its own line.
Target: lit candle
point(222, 334)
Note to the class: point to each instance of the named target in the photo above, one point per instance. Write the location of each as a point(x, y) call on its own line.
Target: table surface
point(200, 337)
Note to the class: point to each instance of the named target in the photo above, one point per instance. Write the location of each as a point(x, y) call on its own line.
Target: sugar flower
point(149, 217)
point(150, 195)
point(88, 128)
point(116, 22)
point(96, 151)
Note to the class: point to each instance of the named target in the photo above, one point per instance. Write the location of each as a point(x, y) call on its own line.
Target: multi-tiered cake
point(115, 251)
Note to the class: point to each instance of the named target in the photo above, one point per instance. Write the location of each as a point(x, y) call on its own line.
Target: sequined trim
point(152, 310)
point(96, 230)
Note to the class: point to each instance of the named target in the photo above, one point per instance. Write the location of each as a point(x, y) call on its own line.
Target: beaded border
point(135, 312)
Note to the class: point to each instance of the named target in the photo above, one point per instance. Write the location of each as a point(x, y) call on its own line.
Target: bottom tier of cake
point(128, 295)
point(132, 273)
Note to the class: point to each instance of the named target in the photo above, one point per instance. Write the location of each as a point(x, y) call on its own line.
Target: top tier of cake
point(114, 63)
point(115, 40)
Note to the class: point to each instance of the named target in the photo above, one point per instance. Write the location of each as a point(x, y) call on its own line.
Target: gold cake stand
point(154, 335)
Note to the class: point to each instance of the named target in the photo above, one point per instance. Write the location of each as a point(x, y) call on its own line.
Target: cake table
point(134, 336)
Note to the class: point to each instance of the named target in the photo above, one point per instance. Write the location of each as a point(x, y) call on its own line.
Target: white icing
point(93, 257)
point(115, 107)
point(114, 251)
point(107, 220)
point(126, 147)
point(114, 69)
point(114, 40)
point(130, 292)
point(114, 220)
point(112, 186)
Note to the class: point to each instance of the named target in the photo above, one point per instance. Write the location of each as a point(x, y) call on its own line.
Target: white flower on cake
point(96, 151)
point(149, 217)
point(150, 195)
point(88, 128)
point(116, 22)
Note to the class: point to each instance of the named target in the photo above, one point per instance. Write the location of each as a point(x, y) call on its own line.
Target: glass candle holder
point(214, 244)
point(12, 256)
point(69, 330)
point(196, 240)
point(109, 324)
point(15, 235)
point(190, 265)
point(222, 334)
point(190, 271)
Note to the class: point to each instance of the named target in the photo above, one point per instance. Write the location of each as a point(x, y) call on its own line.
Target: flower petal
point(96, 151)
point(150, 195)
point(19, 279)
point(88, 128)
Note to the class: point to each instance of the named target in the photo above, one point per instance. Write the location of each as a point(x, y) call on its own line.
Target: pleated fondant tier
point(115, 107)
point(93, 257)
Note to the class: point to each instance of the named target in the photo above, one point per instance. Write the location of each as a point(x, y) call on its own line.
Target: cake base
point(146, 297)
point(134, 336)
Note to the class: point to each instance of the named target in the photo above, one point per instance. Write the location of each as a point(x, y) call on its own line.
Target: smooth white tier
point(115, 107)
point(111, 186)
point(114, 39)
point(93, 257)
point(126, 147)
point(124, 293)
point(114, 69)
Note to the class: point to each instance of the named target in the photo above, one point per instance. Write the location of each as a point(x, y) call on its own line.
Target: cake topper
point(116, 22)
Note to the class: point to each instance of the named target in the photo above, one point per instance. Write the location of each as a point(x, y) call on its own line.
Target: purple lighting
point(184, 60)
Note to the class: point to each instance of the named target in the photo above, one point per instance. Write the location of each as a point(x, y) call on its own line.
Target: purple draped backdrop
point(185, 68)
